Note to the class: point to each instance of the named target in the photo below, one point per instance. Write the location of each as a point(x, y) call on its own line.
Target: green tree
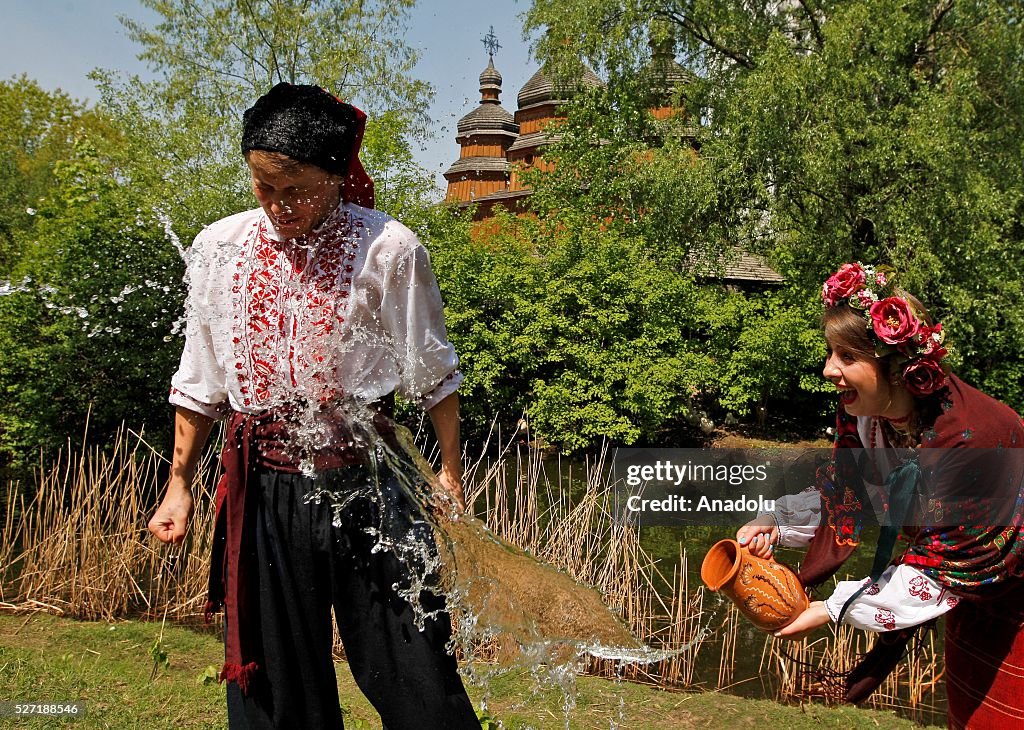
point(37, 130)
point(85, 328)
point(833, 131)
point(93, 294)
point(224, 53)
point(215, 58)
point(588, 330)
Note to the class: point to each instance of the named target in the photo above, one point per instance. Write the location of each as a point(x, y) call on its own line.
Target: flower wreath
point(896, 327)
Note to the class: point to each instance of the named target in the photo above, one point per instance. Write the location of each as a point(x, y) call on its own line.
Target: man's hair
point(305, 123)
point(276, 162)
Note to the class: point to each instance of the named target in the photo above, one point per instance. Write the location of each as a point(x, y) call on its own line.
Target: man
point(303, 316)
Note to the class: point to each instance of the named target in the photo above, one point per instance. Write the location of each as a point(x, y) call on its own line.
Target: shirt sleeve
point(200, 383)
point(797, 517)
point(413, 313)
point(902, 597)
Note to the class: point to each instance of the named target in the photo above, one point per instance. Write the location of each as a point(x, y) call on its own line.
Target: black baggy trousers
point(312, 559)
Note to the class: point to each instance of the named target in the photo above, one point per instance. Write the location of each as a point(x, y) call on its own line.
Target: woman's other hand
point(814, 617)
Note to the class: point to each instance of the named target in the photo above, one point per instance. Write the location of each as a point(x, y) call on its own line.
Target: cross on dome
point(490, 42)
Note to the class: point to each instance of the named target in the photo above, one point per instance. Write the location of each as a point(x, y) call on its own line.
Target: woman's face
point(862, 384)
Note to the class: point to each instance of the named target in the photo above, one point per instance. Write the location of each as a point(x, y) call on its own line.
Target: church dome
point(490, 117)
point(490, 76)
point(540, 88)
point(664, 75)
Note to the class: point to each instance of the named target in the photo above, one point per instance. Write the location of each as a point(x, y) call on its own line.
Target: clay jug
point(766, 592)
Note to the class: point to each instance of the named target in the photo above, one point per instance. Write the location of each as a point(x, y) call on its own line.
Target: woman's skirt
point(985, 664)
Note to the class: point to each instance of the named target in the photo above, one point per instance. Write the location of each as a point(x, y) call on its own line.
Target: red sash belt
point(253, 443)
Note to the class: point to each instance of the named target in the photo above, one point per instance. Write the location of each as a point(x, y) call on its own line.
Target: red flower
point(923, 376)
point(844, 283)
point(930, 341)
point(893, 321)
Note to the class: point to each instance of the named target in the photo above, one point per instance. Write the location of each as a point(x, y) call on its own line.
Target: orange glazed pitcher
point(766, 592)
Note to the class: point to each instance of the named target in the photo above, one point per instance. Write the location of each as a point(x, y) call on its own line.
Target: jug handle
point(771, 556)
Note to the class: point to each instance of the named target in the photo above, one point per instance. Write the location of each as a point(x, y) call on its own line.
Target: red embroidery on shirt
point(283, 307)
point(872, 590)
point(919, 587)
point(952, 601)
point(885, 619)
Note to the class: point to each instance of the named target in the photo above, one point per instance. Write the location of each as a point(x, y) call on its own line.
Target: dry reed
point(807, 670)
point(80, 547)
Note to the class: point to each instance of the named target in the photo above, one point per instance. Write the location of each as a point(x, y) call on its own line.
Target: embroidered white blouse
point(902, 597)
point(351, 309)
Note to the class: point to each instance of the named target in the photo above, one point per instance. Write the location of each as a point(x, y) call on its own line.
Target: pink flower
point(842, 284)
point(866, 298)
point(893, 321)
point(880, 278)
point(923, 376)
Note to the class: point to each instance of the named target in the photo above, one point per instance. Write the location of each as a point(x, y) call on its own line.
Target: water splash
point(336, 354)
point(539, 618)
point(165, 221)
point(7, 287)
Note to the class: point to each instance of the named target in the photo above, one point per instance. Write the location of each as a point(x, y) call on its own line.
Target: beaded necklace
point(897, 434)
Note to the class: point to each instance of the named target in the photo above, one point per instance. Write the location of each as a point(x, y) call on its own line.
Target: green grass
point(109, 667)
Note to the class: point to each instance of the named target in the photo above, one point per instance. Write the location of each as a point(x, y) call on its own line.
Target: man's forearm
point(191, 431)
point(445, 418)
point(171, 520)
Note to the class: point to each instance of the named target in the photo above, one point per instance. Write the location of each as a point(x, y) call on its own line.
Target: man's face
point(296, 196)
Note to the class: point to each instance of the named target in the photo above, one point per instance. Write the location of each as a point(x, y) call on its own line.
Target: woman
point(903, 420)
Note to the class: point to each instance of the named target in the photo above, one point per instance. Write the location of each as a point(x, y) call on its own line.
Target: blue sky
point(57, 42)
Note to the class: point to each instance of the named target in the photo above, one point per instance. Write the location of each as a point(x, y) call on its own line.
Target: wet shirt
point(350, 310)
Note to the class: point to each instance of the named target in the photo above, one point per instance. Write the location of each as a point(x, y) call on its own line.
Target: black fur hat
point(305, 123)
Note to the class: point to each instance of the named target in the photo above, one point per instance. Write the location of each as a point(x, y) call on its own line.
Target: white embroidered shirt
point(351, 309)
